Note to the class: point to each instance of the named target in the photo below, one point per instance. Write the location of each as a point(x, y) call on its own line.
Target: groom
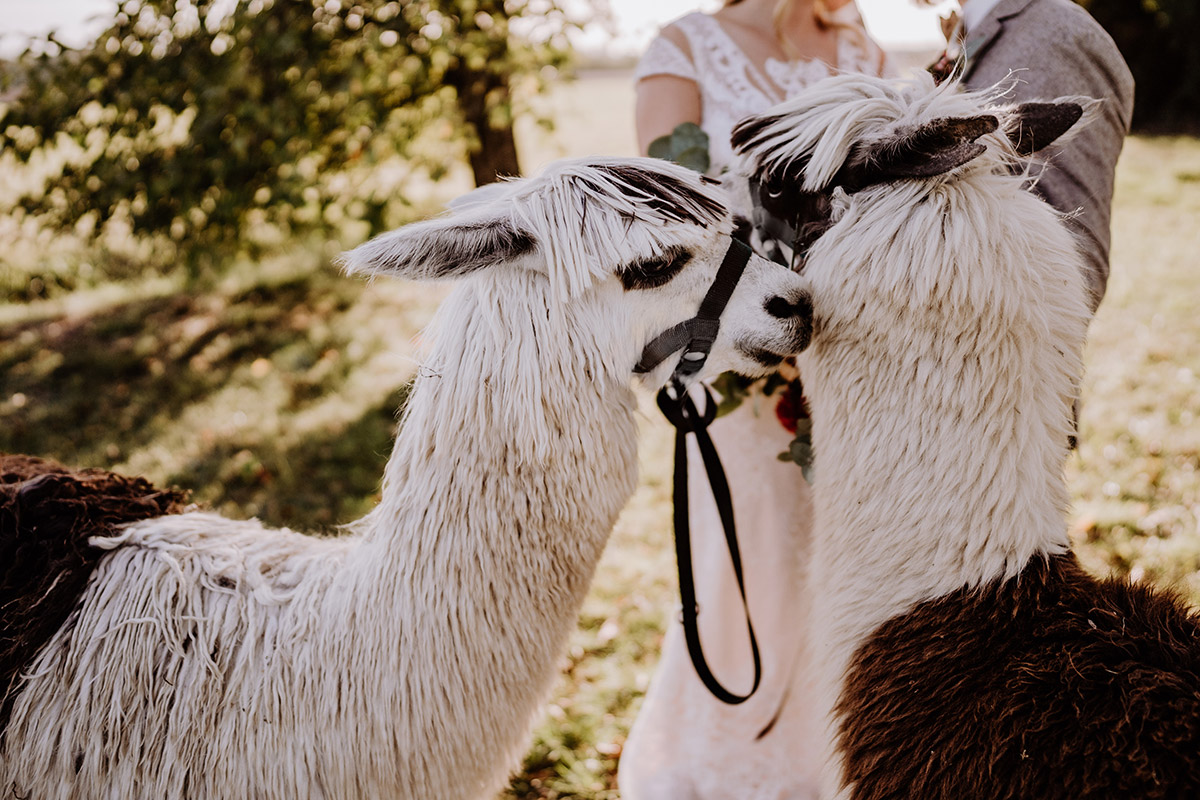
point(1054, 48)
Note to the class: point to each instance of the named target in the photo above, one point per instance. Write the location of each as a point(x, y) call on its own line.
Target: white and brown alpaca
point(957, 650)
point(211, 658)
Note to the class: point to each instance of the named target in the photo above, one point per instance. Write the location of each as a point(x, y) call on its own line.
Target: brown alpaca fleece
point(47, 514)
point(1050, 685)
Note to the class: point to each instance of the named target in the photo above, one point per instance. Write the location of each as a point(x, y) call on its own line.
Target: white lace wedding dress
point(686, 744)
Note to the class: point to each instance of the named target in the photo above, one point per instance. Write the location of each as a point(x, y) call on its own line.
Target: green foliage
point(204, 129)
point(687, 146)
point(1158, 40)
point(800, 449)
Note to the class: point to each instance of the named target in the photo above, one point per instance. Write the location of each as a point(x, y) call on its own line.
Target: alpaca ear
point(932, 149)
point(447, 247)
point(1032, 126)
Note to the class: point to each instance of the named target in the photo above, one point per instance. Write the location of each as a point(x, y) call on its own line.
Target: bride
point(713, 70)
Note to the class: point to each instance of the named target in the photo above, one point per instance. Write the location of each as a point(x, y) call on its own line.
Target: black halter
point(695, 337)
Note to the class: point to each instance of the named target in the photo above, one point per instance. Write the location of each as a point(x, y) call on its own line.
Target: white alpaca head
point(852, 132)
point(922, 220)
point(622, 249)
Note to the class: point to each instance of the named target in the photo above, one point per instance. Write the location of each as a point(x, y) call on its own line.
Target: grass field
point(273, 394)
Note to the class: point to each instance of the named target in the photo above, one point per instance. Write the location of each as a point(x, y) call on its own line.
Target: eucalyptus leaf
point(733, 388)
point(694, 158)
point(800, 451)
point(688, 135)
point(687, 146)
point(661, 148)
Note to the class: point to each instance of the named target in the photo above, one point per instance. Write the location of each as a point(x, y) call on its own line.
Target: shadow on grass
point(91, 390)
point(324, 480)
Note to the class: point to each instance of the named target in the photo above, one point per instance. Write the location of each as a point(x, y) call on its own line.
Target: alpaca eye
point(654, 272)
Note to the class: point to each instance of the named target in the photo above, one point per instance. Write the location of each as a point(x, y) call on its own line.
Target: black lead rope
point(696, 337)
point(679, 409)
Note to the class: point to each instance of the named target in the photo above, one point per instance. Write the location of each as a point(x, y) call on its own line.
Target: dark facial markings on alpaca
point(792, 215)
point(758, 354)
point(654, 272)
point(788, 213)
point(935, 148)
point(1050, 685)
point(742, 229)
point(798, 306)
point(666, 195)
point(797, 309)
point(748, 130)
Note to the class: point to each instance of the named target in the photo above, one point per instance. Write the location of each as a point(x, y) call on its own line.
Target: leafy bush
point(1158, 40)
point(205, 127)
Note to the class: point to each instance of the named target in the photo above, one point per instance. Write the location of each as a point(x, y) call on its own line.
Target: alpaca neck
point(918, 491)
point(948, 476)
point(942, 405)
point(516, 453)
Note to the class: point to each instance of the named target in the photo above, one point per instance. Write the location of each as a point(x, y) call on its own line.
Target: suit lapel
point(980, 38)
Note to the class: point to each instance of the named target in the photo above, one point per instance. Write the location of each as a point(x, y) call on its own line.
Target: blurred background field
point(269, 386)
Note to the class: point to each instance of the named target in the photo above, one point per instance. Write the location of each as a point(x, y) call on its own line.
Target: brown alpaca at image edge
point(47, 515)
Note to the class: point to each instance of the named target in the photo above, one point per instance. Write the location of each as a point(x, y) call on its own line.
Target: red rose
point(791, 406)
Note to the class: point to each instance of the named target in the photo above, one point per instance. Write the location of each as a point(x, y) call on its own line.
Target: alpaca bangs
point(808, 139)
point(588, 218)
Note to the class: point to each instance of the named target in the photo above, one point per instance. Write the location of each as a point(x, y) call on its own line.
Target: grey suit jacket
point(1053, 48)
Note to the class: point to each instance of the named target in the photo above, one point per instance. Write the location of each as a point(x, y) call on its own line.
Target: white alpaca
point(956, 649)
point(215, 658)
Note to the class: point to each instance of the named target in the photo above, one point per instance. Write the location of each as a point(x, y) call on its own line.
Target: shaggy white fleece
point(215, 658)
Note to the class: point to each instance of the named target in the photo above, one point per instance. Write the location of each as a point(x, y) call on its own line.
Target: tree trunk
point(496, 155)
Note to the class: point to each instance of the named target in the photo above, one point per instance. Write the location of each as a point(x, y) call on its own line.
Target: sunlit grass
point(1136, 479)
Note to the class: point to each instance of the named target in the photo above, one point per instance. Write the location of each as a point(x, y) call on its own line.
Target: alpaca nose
point(798, 304)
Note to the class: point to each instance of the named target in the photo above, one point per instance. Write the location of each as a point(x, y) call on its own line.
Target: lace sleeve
point(663, 57)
